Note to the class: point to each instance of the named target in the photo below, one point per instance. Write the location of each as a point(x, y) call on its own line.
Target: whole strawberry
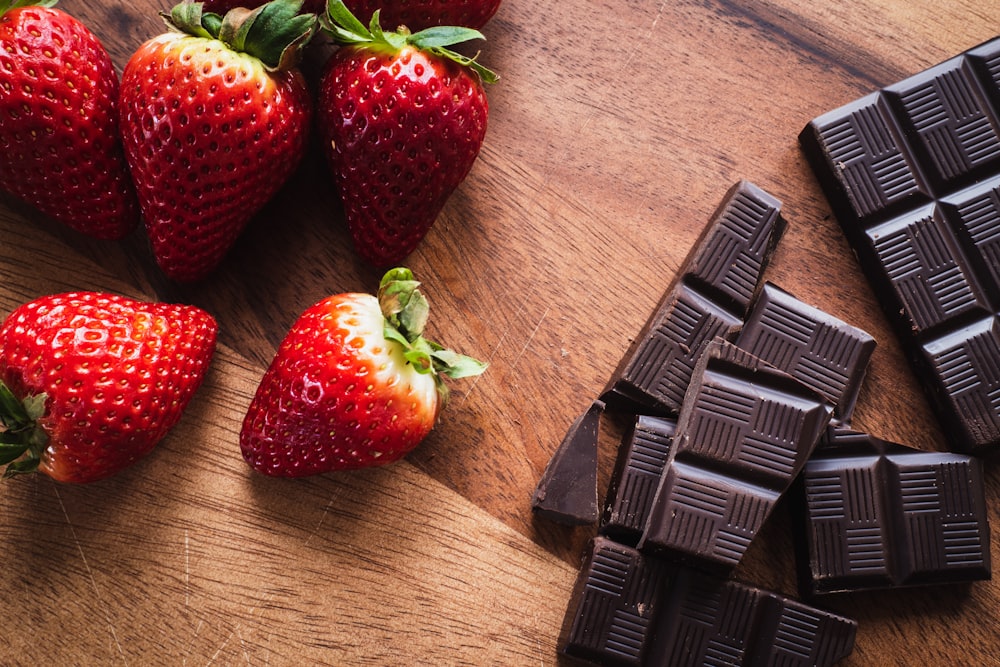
point(90, 382)
point(354, 384)
point(402, 119)
point(419, 14)
point(59, 145)
point(214, 118)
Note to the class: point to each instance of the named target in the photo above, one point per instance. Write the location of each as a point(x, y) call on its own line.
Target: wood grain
point(614, 131)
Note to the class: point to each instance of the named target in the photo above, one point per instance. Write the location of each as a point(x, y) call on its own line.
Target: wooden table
point(614, 132)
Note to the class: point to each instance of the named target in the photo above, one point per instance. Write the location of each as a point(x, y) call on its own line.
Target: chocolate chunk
point(708, 298)
point(629, 608)
point(912, 172)
point(617, 592)
point(567, 490)
point(642, 457)
point(877, 514)
point(817, 349)
point(744, 432)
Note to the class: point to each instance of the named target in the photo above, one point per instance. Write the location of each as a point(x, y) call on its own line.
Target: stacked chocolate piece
point(742, 394)
point(722, 428)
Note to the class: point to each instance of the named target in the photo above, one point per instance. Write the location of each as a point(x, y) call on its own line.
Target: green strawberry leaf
point(6, 5)
point(454, 365)
point(13, 414)
point(23, 467)
point(432, 38)
point(345, 26)
point(346, 29)
point(275, 33)
point(22, 440)
point(186, 17)
point(406, 312)
point(10, 451)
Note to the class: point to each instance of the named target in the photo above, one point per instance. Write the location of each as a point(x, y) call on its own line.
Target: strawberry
point(419, 14)
point(353, 384)
point(59, 145)
point(402, 120)
point(214, 117)
point(223, 6)
point(90, 382)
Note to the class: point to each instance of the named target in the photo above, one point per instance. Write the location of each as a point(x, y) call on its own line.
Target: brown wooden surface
point(614, 132)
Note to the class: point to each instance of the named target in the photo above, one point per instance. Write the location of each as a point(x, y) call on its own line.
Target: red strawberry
point(90, 382)
point(353, 384)
point(223, 6)
point(419, 14)
point(213, 127)
point(402, 119)
point(59, 146)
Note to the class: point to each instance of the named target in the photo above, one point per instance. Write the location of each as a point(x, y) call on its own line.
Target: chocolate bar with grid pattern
point(877, 514)
point(708, 298)
point(642, 457)
point(744, 433)
point(912, 173)
point(816, 348)
point(629, 609)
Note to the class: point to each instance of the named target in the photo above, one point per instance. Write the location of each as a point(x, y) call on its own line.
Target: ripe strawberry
point(90, 382)
point(223, 6)
point(402, 119)
point(419, 14)
point(59, 146)
point(353, 384)
point(214, 119)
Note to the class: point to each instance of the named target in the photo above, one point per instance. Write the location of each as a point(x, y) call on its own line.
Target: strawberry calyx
point(346, 29)
point(6, 5)
point(22, 440)
point(406, 312)
point(275, 33)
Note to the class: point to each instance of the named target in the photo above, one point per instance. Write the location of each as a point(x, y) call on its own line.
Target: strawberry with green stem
point(402, 118)
point(214, 117)
point(59, 145)
point(353, 384)
point(90, 382)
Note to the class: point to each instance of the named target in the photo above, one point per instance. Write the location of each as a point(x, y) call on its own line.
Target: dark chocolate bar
point(642, 457)
point(912, 172)
point(817, 349)
point(877, 514)
point(708, 298)
point(629, 608)
point(567, 490)
point(744, 432)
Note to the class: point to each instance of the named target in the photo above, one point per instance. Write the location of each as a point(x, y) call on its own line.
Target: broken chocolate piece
point(708, 299)
point(912, 172)
point(567, 490)
point(617, 592)
point(629, 608)
point(814, 347)
point(877, 514)
point(642, 457)
point(745, 431)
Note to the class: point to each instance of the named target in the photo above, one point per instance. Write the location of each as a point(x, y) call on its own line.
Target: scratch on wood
point(322, 518)
point(221, 648)
point(187, 569)
point(531, 337)
point(90, 575)
point(243, 644)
